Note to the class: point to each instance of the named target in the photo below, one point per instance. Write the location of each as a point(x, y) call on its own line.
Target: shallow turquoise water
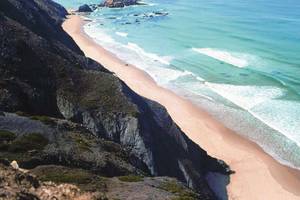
point(238, 59)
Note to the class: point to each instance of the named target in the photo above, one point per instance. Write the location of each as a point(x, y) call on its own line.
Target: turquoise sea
point(238, 59)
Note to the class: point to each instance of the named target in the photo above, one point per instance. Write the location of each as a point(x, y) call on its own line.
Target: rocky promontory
point(61, 109)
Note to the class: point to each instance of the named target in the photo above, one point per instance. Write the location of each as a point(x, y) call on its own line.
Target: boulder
point(84, 8)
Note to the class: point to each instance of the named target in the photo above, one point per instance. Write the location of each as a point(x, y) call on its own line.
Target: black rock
point(159, 13)
point(84, 8)
point(93, 6)
point(118, 3)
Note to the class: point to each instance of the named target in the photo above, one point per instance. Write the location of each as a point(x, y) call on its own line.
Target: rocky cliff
point(79, 113)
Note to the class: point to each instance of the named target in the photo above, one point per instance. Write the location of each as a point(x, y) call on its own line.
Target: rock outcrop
point(16, 184)
point(44, 73)
point(44, 183)
point(84, 8)
point(40, 140)
point(118, 3)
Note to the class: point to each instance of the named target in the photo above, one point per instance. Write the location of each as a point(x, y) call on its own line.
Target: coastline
point(258, 175)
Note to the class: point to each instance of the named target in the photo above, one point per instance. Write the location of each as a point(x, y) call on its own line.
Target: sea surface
point(237, 59)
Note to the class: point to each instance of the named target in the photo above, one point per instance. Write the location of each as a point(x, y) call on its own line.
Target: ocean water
point(238, 59)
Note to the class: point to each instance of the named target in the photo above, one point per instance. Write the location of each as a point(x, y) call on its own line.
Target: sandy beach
point(258, 176)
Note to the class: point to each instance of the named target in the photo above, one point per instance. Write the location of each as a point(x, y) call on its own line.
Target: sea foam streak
point(264, 103)
point(224, 56)
point(122, 34)
point(155, 65)
point(246, 97)
point(162, 59)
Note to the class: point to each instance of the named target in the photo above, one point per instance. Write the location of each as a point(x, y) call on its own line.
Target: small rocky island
point(67, 122)
point(118, 3)
point(108, 3)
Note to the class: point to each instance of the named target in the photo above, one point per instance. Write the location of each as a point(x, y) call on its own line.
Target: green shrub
point(7, 136)
point(31, 141)
point(131, 178)
point(84, 179)
point(45, 119)
point(63, 176)
point(21, 113)
point(18, 156)
point(82, 142)
point(175, 188)
point(4, 146)
point(110, 146)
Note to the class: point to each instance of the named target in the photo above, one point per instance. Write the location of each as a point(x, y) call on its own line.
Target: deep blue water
point(238, 59)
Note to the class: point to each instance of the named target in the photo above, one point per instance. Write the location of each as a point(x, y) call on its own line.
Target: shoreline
point(258, 175)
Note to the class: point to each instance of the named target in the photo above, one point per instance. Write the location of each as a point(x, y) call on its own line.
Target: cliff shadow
point(218, 182)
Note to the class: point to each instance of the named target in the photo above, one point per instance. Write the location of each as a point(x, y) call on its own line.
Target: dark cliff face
point(43, 72)
point(36, 55)
point(42, 17)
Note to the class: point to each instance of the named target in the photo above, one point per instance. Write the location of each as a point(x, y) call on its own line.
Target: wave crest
point(122, 34)
point(235, 59)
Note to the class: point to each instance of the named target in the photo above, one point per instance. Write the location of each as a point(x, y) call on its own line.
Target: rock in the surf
point(118, 3)
point(84, 8)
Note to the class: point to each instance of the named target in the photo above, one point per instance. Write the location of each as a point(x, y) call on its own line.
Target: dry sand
point(258, 176)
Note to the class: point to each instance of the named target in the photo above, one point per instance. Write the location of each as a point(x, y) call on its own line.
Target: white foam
point(152, 4)
point(246, 96)
point(195, 89)
point(165, 75)
point(264, 103)
point(93, 32)
point(85, 18)
point(281, 115)
point(162, 59)
point(122, 34)
point(143, 3)
point(155, 65)
point(232, 58)
point(200, 79)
